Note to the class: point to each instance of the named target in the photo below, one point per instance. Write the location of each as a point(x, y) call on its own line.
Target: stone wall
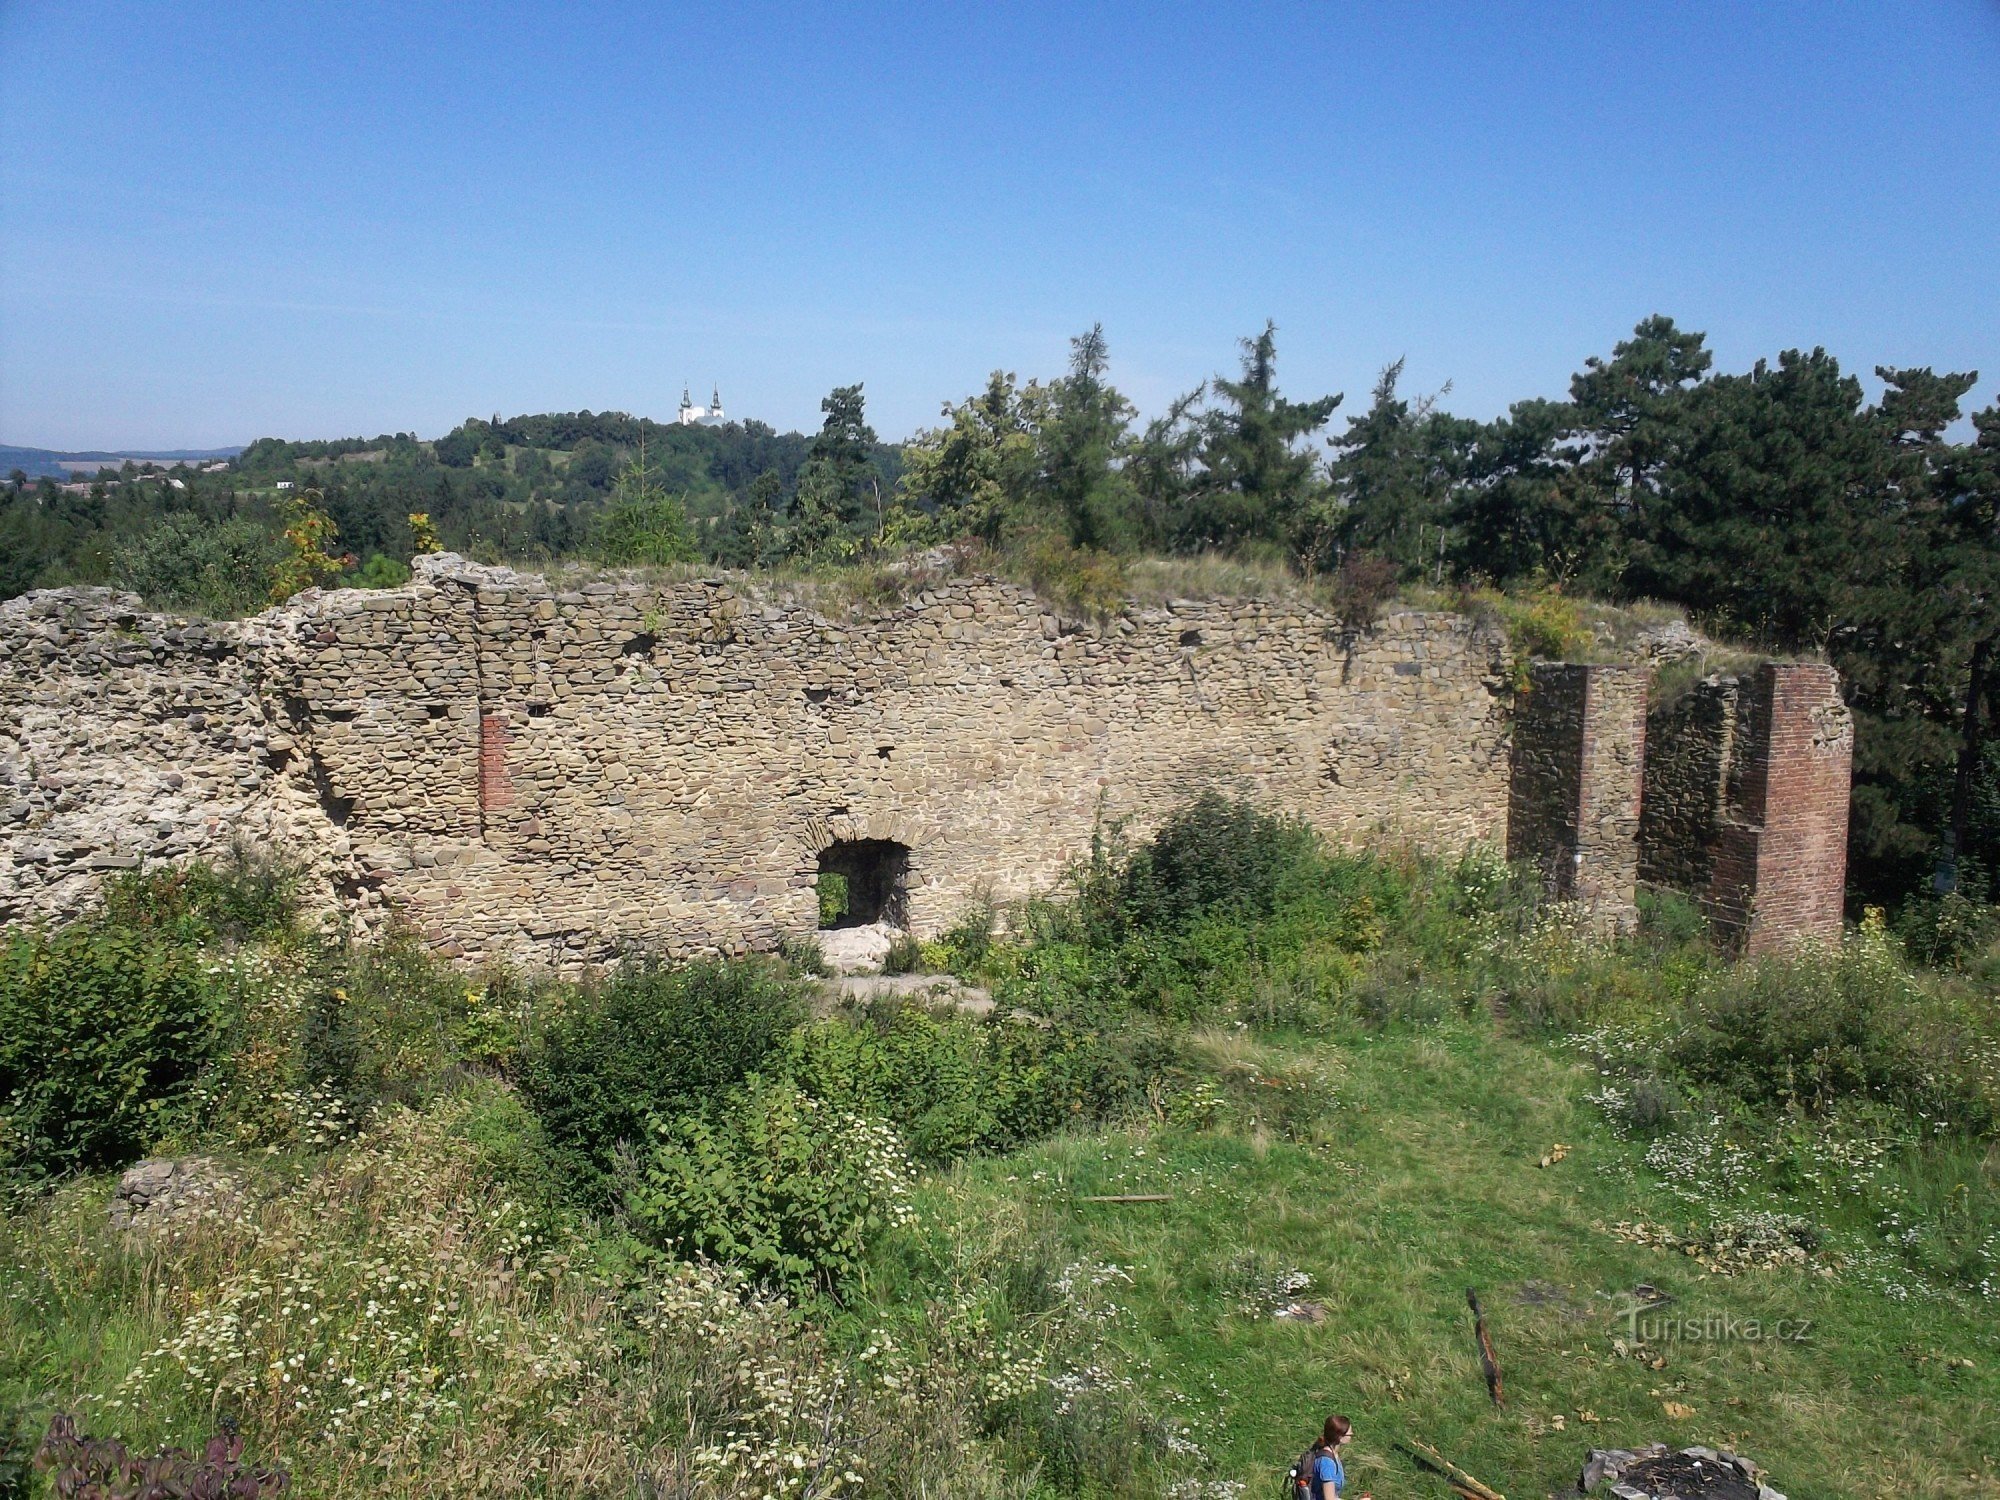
point(550, 774)
point(1746, 803)
point(1691, 741)
point(1574, 792)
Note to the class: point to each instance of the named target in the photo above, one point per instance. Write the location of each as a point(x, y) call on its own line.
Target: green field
point(680, 1231)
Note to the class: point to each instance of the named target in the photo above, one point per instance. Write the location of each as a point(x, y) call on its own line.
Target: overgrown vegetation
point(675, 1230)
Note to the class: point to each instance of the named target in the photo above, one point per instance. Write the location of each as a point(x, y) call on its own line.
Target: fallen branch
point(1487, 1361)
point(1460, 1480)
point(1129, 1198)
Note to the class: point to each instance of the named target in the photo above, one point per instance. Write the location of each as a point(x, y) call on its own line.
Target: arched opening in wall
point(861, 881)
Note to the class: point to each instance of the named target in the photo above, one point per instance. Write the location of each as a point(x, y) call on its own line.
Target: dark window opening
point(641, 644)
point(538, 710)
point(1190, 637)
point(862, 881)
point(883, 752)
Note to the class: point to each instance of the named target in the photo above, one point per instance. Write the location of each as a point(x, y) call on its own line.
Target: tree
point(1389, 483)
point(644, 524)
point(974, 473)
point(1254, 481)
point(1628, 407)
point(1527, 508)
point(847, 477)
point(306, 562)
point(821, 530)
point(1082, 440)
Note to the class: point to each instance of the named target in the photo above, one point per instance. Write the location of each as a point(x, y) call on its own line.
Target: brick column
point(1574, 790)
point(1780, 868)
point(496, 787)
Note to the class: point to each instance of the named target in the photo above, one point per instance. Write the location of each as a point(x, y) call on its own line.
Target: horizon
point(342, 223)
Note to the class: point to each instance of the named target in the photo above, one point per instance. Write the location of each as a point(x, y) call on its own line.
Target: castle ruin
point(550, 774)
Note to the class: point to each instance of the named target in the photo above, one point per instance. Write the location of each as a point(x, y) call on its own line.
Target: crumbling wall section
point(1690, 740)
point(1747, 800)
point(552, 774)
point(1780, 867)
point(1574, 791)
point(128, 738)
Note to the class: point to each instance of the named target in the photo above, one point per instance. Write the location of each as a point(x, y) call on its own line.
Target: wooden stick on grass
point(1129, 1198)
point(1451, 1471)
point(1487, 1361)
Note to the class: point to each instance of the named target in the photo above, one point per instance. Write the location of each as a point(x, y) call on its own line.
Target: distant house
point(284, 484)
point(215, 468)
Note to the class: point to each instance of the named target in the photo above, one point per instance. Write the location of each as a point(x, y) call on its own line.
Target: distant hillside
point(37, 462)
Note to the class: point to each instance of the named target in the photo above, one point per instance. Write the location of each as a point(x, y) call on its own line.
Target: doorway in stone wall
point(862, 882)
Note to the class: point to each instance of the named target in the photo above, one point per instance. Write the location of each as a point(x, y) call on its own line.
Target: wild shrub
point(102, 1030)
point(656, 1041)
point(1361, 587)
point(104, 1469)
point(186, 561)
point(788, 1189)
point(1817, 1029)
point(953, 1085)
point(1947, 932)
point(1082, 579)
point(243, 898)
point(1214, 854)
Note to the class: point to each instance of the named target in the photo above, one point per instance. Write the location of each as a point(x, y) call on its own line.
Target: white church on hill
point(692, 415)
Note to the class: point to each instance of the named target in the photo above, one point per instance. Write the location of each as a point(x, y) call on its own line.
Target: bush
point(1361, 587)
point(1813, 1031)
point(930, 1076)
point(1215, 854)
point(771, 1180)
point(244, 898)
point(186, 562)
point(1081, 579)
point(1944, 932)
point(657, 1041)
point(102, 1030)
point(102, 1469)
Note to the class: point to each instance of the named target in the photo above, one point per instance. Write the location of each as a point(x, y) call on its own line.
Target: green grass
point(1346, 1073)
point(1422, 1179)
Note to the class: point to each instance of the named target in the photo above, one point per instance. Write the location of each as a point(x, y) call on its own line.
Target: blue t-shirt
point(1325, 1467)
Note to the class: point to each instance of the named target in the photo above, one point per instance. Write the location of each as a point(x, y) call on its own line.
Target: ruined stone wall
point(1781, 860)
point(1574, 792)
point(1691, 745)
point(549, 775)
point(1747, 801)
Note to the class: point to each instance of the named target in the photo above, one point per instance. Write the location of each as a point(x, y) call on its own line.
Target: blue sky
point(224, 221)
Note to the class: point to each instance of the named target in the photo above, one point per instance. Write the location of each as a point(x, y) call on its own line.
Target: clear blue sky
point(221, 221)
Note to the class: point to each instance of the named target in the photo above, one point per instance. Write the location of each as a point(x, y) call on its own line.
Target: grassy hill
point(686, 1230)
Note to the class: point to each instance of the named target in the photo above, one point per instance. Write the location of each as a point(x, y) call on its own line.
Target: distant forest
point(1778, 505)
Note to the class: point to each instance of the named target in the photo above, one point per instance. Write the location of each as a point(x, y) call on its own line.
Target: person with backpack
point(1318, 1474)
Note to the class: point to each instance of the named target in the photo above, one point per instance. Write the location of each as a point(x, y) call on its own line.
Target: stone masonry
point(1746, 802)
point(551, 774)
point(1573, 797)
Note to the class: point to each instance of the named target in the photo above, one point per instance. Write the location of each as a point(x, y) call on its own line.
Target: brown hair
point(1336, 1428)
